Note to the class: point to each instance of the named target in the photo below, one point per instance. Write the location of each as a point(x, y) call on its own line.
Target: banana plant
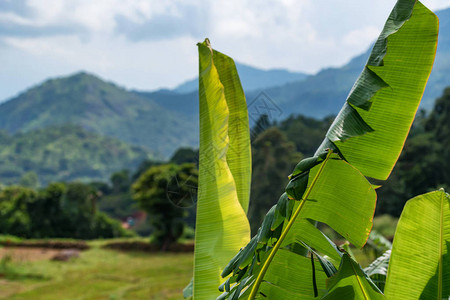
point(289, 257)
point(337, 185)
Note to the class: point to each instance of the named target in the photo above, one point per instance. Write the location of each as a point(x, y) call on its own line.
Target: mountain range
point(154, 124)
point(317, 95)
point(324, 93)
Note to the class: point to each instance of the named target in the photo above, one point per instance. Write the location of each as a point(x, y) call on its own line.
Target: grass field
point(29, 273)
point(97, 274)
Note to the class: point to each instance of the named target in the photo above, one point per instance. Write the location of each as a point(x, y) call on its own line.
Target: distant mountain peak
point(77, 76)
point(76, 82)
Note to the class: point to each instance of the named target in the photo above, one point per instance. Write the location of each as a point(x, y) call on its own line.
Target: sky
point(149, 44)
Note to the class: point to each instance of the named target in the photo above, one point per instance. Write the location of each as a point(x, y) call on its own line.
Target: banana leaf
point(419, 266)
point(350, 282)
point(372, 127)
point(222, 227)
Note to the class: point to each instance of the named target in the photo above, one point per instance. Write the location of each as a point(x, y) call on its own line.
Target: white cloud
point(147, 44)
point(15, 19)
point(363, 36)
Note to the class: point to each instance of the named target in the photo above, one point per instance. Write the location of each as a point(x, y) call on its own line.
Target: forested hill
point(101, 107)
point(64, 153)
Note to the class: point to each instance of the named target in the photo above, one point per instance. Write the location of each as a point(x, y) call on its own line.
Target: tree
point(305, 132)
point(14, 218)
point(273, 156)
point(184, 155)
point(30, 180)
point(162, 191)
point(48, 218)
point(120, 181)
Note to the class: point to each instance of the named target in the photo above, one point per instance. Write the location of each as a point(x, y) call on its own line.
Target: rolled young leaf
point(419, 266)
point(377, 270)
point(222, 227)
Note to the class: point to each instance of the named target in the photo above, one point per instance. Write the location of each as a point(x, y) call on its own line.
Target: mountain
point(324, 93)
point(184, 104)
point(101, 107)
point(65, 153)
point(319, 95)
point(251, 79)
point(440, 76)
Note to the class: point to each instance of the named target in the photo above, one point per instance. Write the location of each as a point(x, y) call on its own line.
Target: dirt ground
point(19, 254)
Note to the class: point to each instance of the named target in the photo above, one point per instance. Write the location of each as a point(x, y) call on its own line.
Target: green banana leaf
point(350, 282)
point(372, 127)
point(222, 227)
point(289, 281)
point(294, 282)
point(340, 190)
point(419, 266)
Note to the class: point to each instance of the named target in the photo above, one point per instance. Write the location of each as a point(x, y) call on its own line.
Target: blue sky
point(147, 44)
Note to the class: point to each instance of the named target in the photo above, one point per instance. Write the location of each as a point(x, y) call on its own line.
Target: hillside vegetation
point(65, 153)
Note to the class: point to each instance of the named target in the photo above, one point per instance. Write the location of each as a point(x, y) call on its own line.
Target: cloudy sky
point(149, 44)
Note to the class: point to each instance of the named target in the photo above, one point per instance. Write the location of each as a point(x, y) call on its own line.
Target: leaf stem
point(441, 250)
point(286, 230)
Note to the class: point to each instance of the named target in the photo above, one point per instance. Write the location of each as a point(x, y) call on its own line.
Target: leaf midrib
point(441, 246)
point(286, 230)
point(359, 282)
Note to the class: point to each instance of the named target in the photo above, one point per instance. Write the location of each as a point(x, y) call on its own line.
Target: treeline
point(61, 210)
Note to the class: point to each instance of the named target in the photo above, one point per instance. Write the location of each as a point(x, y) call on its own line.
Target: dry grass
point(19, 255)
